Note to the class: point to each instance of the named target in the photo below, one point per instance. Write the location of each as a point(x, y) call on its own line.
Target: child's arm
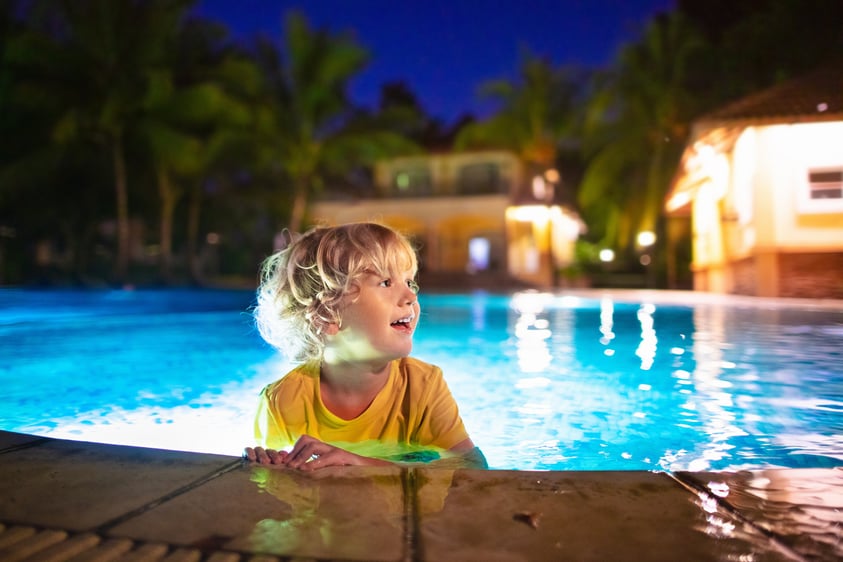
point(466, 455)
point(310, 454)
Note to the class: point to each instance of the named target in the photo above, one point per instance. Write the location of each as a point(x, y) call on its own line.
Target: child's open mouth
point(403, 324)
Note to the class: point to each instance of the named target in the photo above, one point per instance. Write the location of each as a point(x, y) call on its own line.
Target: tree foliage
point(314, 130)
point(636, 126)
point(120, 114)
point(164, 108)
point(537, 113)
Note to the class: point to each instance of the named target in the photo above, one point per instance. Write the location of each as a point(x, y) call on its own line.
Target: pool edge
point(61, 496)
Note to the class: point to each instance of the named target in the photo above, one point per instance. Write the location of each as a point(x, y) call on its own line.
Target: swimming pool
point(586, 381)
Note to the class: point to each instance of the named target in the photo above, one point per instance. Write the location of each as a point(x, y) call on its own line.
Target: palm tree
point(227, 141)
point(193, 113)
point(309, 127)
point(49, 191)
point(635, 130)
point(98, 57)
point(175, 148)
point(537, 114)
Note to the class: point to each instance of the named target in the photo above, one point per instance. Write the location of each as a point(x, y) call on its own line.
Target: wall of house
point(782, 243)
point(757, 231)
point(811, 274)
point(709, 251)
point(446, 172)
point(441, 226)
point(468, 214)
point(792, 221)
point(798, 242)
point(442, 201)
point(541, 242)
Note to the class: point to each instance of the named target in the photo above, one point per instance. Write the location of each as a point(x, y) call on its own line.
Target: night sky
point(444, 49)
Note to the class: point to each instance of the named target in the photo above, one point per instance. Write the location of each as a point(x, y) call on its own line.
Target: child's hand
point(264, 456)
point(310, 454)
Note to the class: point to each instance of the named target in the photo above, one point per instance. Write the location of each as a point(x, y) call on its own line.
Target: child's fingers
point(304, 449)
point(258, 455)
point(276, 457)
point(323, 460)
point(334, 456)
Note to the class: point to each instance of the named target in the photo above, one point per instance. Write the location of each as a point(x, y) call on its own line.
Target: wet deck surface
point(66, 500)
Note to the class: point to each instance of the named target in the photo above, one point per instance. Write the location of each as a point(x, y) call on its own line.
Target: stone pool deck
point(68, 500)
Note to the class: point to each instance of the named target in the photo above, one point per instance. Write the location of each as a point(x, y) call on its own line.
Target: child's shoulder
point(418, 368)
point(300, 377)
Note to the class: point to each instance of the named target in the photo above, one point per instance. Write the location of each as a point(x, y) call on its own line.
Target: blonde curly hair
point(303, 287)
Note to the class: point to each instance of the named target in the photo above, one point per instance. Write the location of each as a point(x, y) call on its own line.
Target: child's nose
point(408, 296)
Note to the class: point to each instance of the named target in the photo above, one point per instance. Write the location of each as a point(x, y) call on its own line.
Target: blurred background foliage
point(140, 144)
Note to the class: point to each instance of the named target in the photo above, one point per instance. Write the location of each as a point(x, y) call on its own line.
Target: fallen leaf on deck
point(531, 518)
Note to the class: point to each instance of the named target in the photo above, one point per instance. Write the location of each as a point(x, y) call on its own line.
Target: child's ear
point(331, 329)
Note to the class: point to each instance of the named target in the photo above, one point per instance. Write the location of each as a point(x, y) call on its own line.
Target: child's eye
point(413, 285)
point(386, 283)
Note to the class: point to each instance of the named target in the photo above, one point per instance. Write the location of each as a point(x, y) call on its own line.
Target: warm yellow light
point(679, 200)
point(537, 214)
point(552, 175)
point(539, 188)
point(646, 238)
point(564, 224)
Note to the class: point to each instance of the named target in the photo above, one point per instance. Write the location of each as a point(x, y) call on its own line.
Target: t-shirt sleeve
point(270, 430)
point(441, 424)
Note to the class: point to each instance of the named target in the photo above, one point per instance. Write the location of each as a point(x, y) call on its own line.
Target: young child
point(342, 302)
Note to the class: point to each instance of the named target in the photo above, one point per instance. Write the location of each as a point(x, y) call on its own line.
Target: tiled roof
point(816, 96)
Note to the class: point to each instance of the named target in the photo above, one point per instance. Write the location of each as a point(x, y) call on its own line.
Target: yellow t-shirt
point(414, 409)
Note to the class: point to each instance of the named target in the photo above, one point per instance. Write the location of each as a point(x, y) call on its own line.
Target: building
point(484, 214)
point(762, 182)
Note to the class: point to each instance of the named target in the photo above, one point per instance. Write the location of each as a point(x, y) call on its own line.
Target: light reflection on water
point(599, 382)
point(543, 381)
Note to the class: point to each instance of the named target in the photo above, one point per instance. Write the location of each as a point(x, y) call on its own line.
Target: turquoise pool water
point(593, 381)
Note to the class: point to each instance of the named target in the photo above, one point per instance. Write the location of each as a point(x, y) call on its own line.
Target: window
point(412, 182)
point(825, 184)
point(478, 254)
point(822, 192)
point(480, 179)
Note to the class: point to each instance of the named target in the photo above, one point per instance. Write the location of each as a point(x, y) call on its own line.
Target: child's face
point(378, 320)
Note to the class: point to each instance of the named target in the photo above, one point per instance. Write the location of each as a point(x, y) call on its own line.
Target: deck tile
point(801, 507)
point(9, 439)
point(343, 513)
point(79, 486)
point(584, 516)
point(106, 502)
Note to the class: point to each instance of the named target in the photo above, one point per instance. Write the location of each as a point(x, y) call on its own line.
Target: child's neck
point(348, 389)
point(348, 376)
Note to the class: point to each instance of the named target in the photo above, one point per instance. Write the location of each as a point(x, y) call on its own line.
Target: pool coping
point(680, 298)
point(65, 498)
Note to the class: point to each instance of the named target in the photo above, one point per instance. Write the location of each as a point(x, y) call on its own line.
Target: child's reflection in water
point(338, 510)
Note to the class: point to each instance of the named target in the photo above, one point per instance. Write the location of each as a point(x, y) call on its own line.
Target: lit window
point(822, 191)
point(825, 184)
point(412, 182)
point(478, 254)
